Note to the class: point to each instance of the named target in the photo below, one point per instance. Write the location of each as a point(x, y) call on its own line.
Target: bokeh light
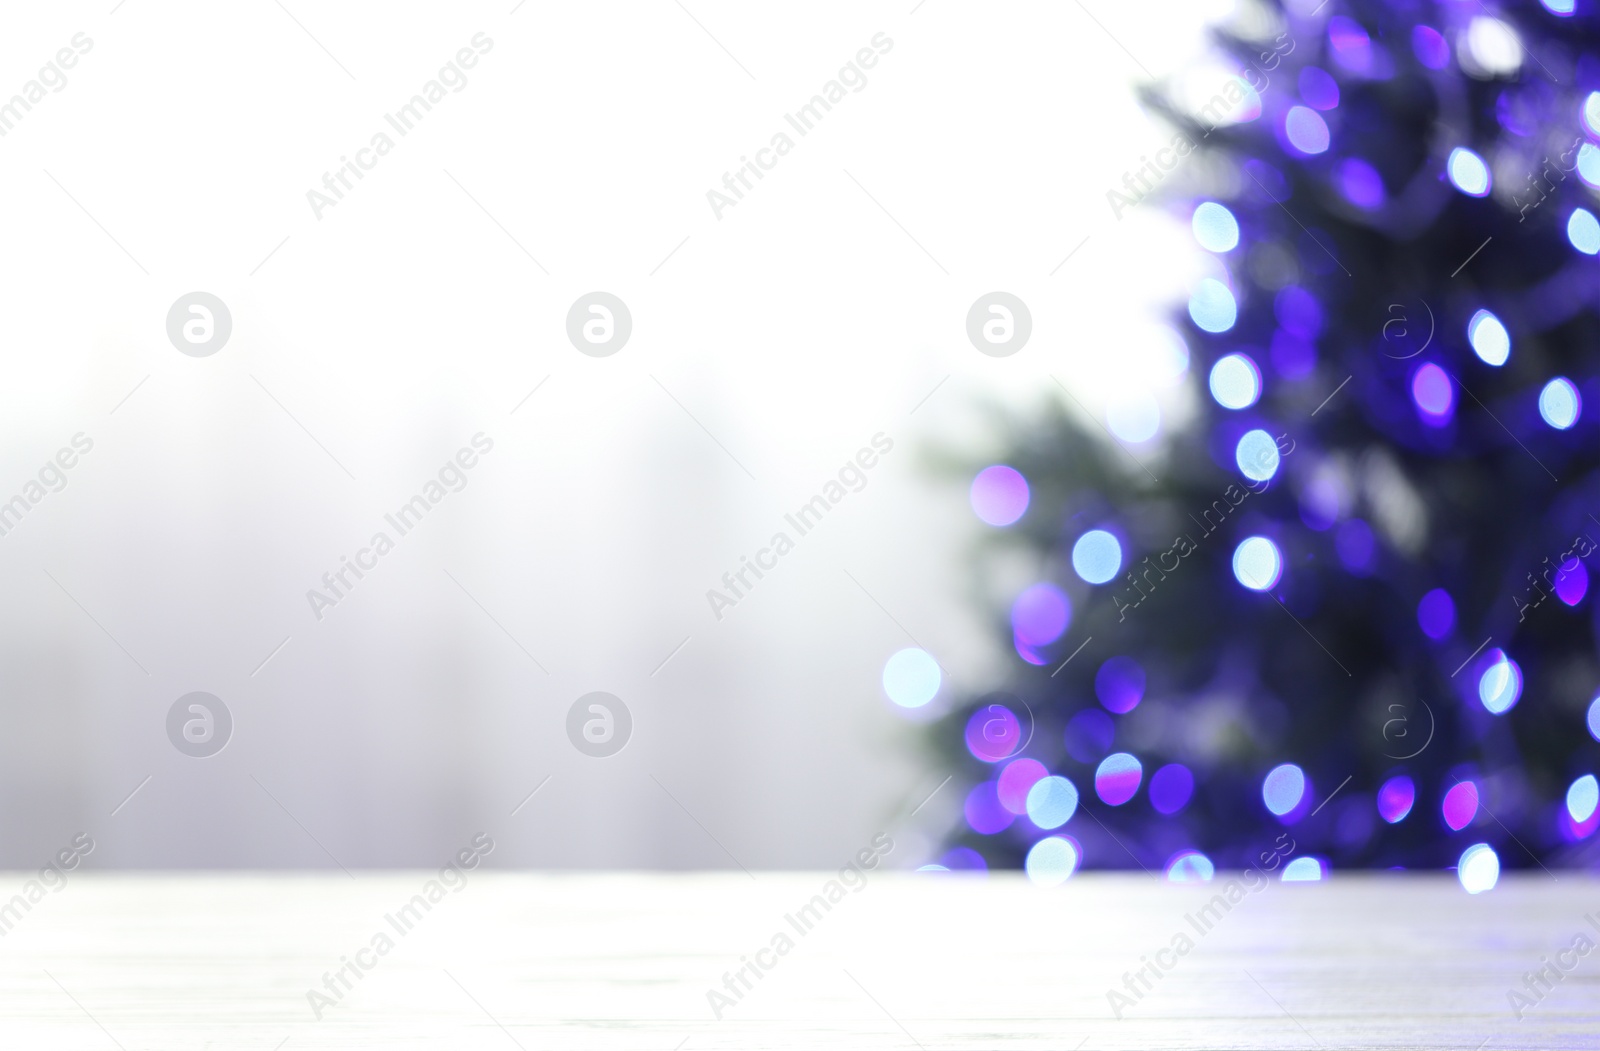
point(1117, 778)
point(1560, 8)
point(1248, 108)
point(1436, 614)
point(1489, 338)
point(911, 678)
point(1305, 870)
point(1190, 866)
point(1235, 381)
point(1053, 860)
point(1257, 564)
point(1430, 47)
point(962, 859)
point(1582, 797)
point(1467, 172)
point(1318, 88)
point(1560, 404)
point(1594, 718)
point(1215, 227)
point(1212, 305)
point(1396, 797)
point(1088, 735)
point(1583, 230)
point(1500, 685)
point(994, 733)
point(1119, 684)
point(1573, 831)
point(1134, 416)
point(1460, 805)
point(1165, 358)
point(1052, 801)
point(1298, 311)
point(1097, 556)
point(1040, 615)
point(1349, 44)
point(1325, 497)
point(1493, 46)
point(1572, 582)
point(1361, 184)
point(1306, 130)
point(1479, 868)
point(1257, 455)
point(1591, 113)
point(984, 813)
point(1434, 394)
point(1294, 358)
point(1171, 788)
point(1283, 788)
point(999, 495)
point(1014, 782)
point(1589, 164)
point(1032, 655)
point(1356, 545)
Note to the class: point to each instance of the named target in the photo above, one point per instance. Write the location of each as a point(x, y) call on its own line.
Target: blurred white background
point(370, 344)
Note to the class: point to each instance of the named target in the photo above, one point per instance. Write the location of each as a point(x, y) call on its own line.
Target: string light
point(1274, 297)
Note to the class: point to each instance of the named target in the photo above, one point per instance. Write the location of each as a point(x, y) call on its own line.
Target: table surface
point(621, 960)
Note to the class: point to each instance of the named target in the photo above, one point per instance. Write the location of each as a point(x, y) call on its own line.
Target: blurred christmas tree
point(1355, 600)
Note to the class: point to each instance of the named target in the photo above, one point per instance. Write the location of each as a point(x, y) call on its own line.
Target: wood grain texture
point(626, 961)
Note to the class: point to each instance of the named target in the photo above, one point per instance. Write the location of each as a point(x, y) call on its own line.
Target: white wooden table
point(626, 961)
